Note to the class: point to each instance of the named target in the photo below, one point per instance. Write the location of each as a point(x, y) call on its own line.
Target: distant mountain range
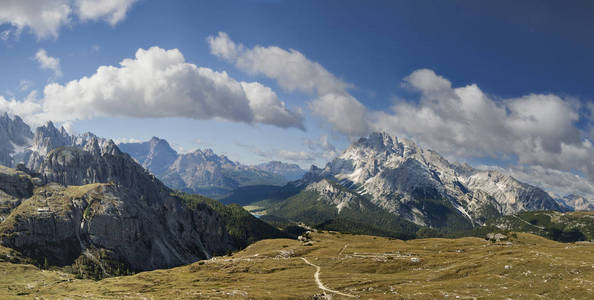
point(576, 202)
point(80, 202)
point(204, 172)
point(382, 175)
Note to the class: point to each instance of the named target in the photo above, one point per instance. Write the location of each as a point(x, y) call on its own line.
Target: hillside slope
point(563, 227)
point(528, 267)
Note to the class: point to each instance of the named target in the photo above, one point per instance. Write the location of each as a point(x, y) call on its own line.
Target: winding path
point(319, 282)
point(342, 250)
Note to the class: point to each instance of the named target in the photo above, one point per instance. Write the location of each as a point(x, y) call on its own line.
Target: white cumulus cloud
point(112, 11)
point(223, 47)
point(537, 129)
point(47, 62)
point(44, 18)
point(270, 110)
point(343, 111)
point(28, 109)
point(159, 83)
point(295, 72)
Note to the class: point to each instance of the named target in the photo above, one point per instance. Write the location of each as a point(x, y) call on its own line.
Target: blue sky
point(503, 83)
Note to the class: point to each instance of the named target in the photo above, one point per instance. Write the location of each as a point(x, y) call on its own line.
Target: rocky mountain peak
point(16, 136)
point(111, 148)
point(156, 144)
point(386, 144)
point(378, 142)
point(159, 157)
point(48, 137)
point(399, 176)
point(93, 147)
point(15, 130)
point(208, 155)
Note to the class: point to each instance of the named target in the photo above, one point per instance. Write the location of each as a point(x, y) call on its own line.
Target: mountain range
point(203, 171)
point(394, 176)
point(82, 203)
point(576, 202)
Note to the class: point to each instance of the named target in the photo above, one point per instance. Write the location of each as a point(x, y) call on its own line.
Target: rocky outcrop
point(93, 164)
point(15, 183)
point(48, 137)
point(334, 195)
point(14, 187)
point(108, 221)
point(495, 237)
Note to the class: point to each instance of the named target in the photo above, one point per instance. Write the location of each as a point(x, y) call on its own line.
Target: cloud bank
point(44, 18)
point(157, 83)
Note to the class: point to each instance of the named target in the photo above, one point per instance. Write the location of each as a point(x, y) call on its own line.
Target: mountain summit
point(418, 185)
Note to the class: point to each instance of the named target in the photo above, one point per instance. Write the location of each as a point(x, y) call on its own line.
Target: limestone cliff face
point(107, 221)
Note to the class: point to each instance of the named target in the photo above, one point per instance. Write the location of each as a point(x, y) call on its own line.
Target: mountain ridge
point(203, 171)
point(87, 205)
point(421, 186)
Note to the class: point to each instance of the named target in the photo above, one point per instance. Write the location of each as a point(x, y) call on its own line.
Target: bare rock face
point(333, 195)
point(15, 136)
point(15, 183)
point(48, 137)
point(107, 221)
point(93, 164)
